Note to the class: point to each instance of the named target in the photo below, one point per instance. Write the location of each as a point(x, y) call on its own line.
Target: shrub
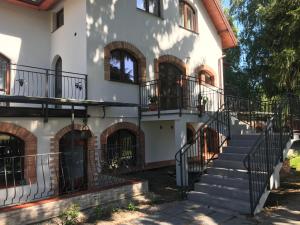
point(131, 207)
point(70, 215)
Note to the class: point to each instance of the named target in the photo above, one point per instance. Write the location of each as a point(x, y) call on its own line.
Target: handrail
point(195, 155)
point(266, 152)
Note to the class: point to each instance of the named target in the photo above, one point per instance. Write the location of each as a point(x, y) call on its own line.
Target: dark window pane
point(115, 65)
point(182, 14)
point(154, 7)
point(190, 18)
point(59, 18)
point(141, 4)
point(123, 67)
point(3, 71)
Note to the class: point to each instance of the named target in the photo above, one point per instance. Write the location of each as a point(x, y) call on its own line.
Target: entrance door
point(169, 76)
point(72, 162)
point(58, 78)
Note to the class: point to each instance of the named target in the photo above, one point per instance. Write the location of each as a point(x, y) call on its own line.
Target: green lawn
point(295, 163)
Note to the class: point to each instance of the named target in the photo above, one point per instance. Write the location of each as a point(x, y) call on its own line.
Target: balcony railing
point(185, 93)
point(34, 177)
point(28, 81)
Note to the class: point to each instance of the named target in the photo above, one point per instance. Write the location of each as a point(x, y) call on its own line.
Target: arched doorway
point(121, 150)
point(12, 151)
point(58, 78)
point(169, 75)
point(73, 162)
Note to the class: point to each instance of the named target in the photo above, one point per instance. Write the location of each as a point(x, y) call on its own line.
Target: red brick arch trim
point(141, 59)
point(135, 130)
point(91, 147)
point(169, 59)
point(205, 69)
point(30, 150)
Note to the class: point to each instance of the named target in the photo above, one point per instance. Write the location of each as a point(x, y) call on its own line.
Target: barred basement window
point(121, 149)
point(150, 6)
point(11, 160)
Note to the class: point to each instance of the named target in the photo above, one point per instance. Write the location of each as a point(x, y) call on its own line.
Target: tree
point(270, 47)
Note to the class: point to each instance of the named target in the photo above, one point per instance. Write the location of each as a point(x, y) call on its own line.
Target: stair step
point(225, 172)
point(229, 164)
point(250, 137)
point(237, 149)
point(232, 156)
point(241, 143)
point(222, 191)
point(225, 181)
point(220, 202)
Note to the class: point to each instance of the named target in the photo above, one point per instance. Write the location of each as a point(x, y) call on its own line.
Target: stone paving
point(189, 213)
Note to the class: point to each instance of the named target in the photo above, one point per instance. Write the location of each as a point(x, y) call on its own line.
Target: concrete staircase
point(226, 183)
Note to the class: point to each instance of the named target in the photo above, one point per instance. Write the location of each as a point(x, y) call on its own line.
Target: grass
point(295, 163)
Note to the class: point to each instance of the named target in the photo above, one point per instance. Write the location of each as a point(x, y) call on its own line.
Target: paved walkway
point(189, 213)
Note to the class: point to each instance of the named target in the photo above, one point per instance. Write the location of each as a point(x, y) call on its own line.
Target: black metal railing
point(197, 153)
point(29, 81)
point(34, 177)
point(253, 112)
point(186, 93)
point(267, 151)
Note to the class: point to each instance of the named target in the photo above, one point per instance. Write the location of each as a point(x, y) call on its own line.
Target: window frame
point(184, 6)
point(123, 53)
point(6, 85)
point(57, 20)
point(147, 8)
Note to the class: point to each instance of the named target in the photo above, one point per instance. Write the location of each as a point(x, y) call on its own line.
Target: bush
point(131, 207)
point(70, 215)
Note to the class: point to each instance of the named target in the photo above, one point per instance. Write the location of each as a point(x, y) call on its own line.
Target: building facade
point(144, 75)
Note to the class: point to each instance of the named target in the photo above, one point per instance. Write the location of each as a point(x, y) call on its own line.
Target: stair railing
point(193, 158)
point(267, 152)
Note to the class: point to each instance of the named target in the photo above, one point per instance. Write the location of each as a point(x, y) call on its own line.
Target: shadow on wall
point(153, 36)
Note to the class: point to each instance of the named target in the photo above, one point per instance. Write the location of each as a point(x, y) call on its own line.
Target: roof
point(213, 8)
point(35, 4)
point(221, 23)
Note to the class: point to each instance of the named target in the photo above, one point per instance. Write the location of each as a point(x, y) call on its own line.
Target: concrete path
point(189, 213)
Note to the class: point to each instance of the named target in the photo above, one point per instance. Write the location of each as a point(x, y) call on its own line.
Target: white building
point(122, 54)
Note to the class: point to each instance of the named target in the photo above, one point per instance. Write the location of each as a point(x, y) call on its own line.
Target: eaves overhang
point(221, 23)
point(34, 4)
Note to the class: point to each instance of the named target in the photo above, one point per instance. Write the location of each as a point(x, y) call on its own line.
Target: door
point(4, 74)
point(72, 162)
point(169, 76)
point(58, 78)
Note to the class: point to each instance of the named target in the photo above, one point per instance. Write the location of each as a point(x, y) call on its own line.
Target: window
point(188, 18)
point(123, 67)
point(150, 6)
point(4, 73)
point(121, 149)
point(11, 160)
point(58, 19)
point(207, 78)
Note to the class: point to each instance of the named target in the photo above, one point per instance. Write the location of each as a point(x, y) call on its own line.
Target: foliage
point(270, 47)
point(99, 212)
point(131, 206)
point(295, 163)
point(70, 215)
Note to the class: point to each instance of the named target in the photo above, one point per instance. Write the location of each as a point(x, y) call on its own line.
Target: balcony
point(186, 95)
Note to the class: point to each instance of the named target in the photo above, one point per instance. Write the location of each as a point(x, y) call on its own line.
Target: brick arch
point(30, 149)
point(200, 71)
point(141, 59)
point(169, 59)
point(91, 147)
point(140, 135)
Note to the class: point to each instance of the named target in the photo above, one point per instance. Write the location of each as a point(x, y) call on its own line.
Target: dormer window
point(123, 67)
point(150, 6)
point(188, 17)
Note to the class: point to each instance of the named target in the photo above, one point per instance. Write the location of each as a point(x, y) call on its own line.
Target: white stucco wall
point(107, 21)
point(24, 35)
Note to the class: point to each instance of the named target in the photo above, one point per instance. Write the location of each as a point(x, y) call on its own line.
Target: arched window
point(188, 17)
point(208, 78)
point(11, 160)
point(123, 66)
point(121, 149)
point(4, 73)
